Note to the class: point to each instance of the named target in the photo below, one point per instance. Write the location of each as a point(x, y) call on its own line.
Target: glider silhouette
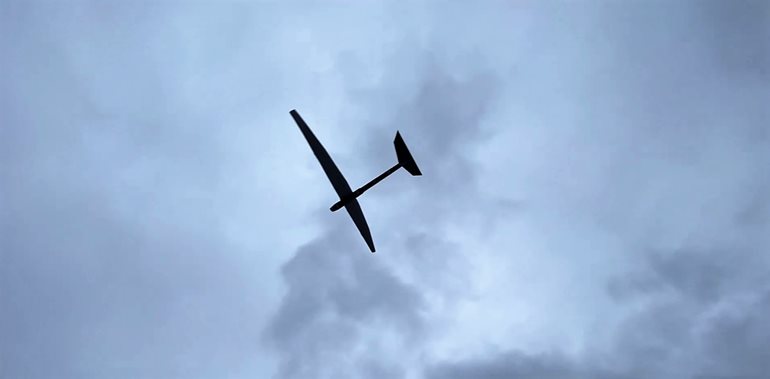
point(341, 186)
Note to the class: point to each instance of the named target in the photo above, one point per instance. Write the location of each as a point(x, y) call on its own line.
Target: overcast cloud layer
point(595, 200)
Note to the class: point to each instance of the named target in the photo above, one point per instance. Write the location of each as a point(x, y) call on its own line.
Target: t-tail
point(405, 157)
point(405, 160)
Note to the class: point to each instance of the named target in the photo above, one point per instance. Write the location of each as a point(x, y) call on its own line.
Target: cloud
point(346, 309)
point(520, 365)
point(125, 197)
point(697, 321)
point(669, 164)
point(594, 201)
point(339, 305)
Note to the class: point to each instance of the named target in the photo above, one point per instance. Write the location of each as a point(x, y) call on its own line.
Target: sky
point(595, 198)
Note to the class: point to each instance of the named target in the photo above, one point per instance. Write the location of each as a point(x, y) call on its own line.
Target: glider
point(341, 186)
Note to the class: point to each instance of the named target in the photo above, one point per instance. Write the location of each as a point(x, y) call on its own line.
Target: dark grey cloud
point(520, 365)
point(336, 296)
point(737, 33)
point(442, 116)
point(696, 314)
point(703, 321)
point(672, 118)
point(594, 201)
point(339, 297)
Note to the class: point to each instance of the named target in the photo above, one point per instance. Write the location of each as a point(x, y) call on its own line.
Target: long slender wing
point(332, 172)
point(338, 181)
point(354, 210)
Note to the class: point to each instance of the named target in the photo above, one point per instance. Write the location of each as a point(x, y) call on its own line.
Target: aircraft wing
point(338, 181)
point(332, 172)
point(354, 210)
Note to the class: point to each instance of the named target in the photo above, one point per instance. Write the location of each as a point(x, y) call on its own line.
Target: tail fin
point(405, 157)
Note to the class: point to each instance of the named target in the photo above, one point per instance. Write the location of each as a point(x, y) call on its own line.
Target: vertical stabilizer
point(405, 157)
